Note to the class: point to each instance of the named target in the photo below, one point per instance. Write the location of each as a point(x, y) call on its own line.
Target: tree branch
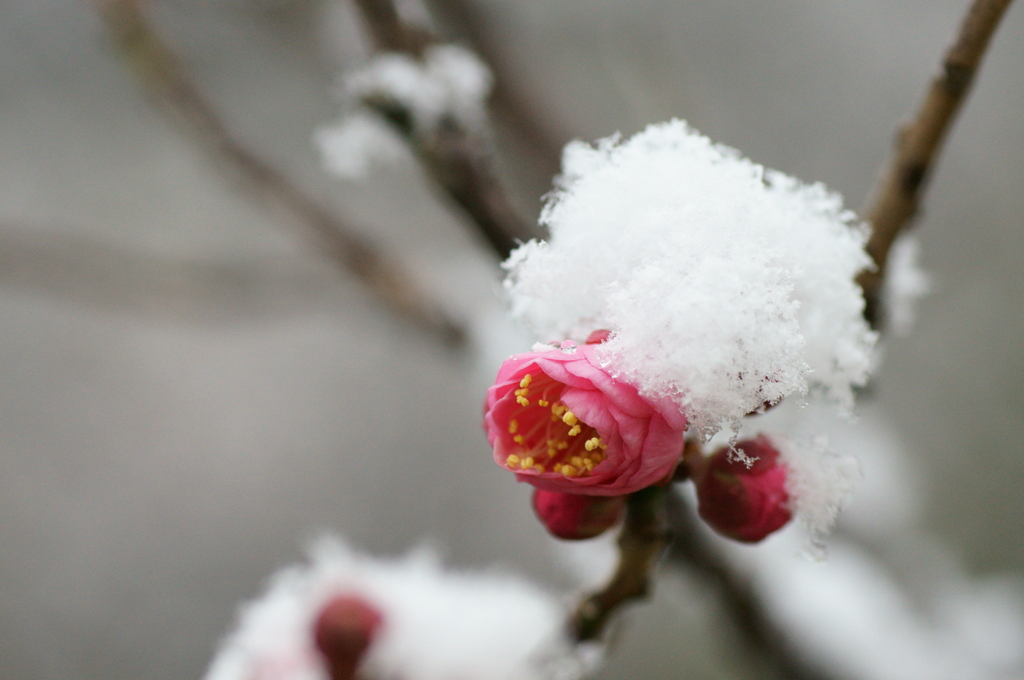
point(764, 639)
point(920, 141)
point(642, 540)
point(460, 159)
point(389, 31)
point(515, 104)
point(66, 264)
point(162, 73)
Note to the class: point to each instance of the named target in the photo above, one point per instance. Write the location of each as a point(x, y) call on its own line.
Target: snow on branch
point(414, 619)
point(434, 97)
point(725, 285)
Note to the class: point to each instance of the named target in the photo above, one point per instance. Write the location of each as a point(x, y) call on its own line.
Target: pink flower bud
point(740, 502)
point(561, 422)
point(575, 517)
point(343, 632)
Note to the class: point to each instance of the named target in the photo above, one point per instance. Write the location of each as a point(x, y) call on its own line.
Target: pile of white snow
point(437, 624)
point(725, 284)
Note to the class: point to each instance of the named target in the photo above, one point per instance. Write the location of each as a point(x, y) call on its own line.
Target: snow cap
point(725, 285)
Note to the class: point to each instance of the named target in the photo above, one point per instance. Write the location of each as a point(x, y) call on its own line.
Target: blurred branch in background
point(919, 142)
point(110, 277)
point(458, 156)
point(764, 639)
point(515, 104)
point(164, 76)
point(390, 32)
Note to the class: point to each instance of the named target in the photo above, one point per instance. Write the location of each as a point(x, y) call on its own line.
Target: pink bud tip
point(598, 336)
point(343, 632)
point(740, 502)
point(574, 517)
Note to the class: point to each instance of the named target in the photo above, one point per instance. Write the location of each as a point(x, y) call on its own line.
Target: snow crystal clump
point(820, 483)
point(904, 285)
point(357, 143)
point(725, 285)
point(436, 625)
point(447, 81)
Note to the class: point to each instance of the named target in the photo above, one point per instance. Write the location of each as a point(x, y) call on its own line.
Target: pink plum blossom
point(743, 497)
point(561, 422)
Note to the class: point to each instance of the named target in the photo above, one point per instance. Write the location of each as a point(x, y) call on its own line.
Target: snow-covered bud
point(742, 494)
point(341, 615)
point(343, 631)
point(574, 517)
point(560, 421)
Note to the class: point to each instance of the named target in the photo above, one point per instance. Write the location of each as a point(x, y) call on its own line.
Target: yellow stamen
point(569, 471)
point(513, 426)
point(522, 393)
point(576, 461)
point(570, 418)
point(522, 401)
point(557, 468)
point(528, 463)
point(525, 382)
point(575, 430)
point(596, 457)
point(592, 443)
point(562, 445)
point(543, 402)
point(512, 461)
point(518, 439)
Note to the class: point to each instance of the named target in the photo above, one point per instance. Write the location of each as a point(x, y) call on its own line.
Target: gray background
point(188, 390)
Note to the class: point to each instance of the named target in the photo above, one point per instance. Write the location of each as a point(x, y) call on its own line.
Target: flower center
point(548, 435)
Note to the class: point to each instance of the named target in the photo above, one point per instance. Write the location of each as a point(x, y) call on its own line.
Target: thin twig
point(643, 538)
point(460, 159)
point(920, 140)
point(161, 71)
point(762, 636)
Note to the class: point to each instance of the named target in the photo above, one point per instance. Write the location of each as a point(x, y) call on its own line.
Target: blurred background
point(190, 389)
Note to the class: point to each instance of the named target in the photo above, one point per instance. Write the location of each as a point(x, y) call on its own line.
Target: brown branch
point(390, 32)
point(920, 141)
point(459, 161)
point(516, 104)
point(764, 639)
point(162, 73)
point(459, 157)
point(642, 540)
